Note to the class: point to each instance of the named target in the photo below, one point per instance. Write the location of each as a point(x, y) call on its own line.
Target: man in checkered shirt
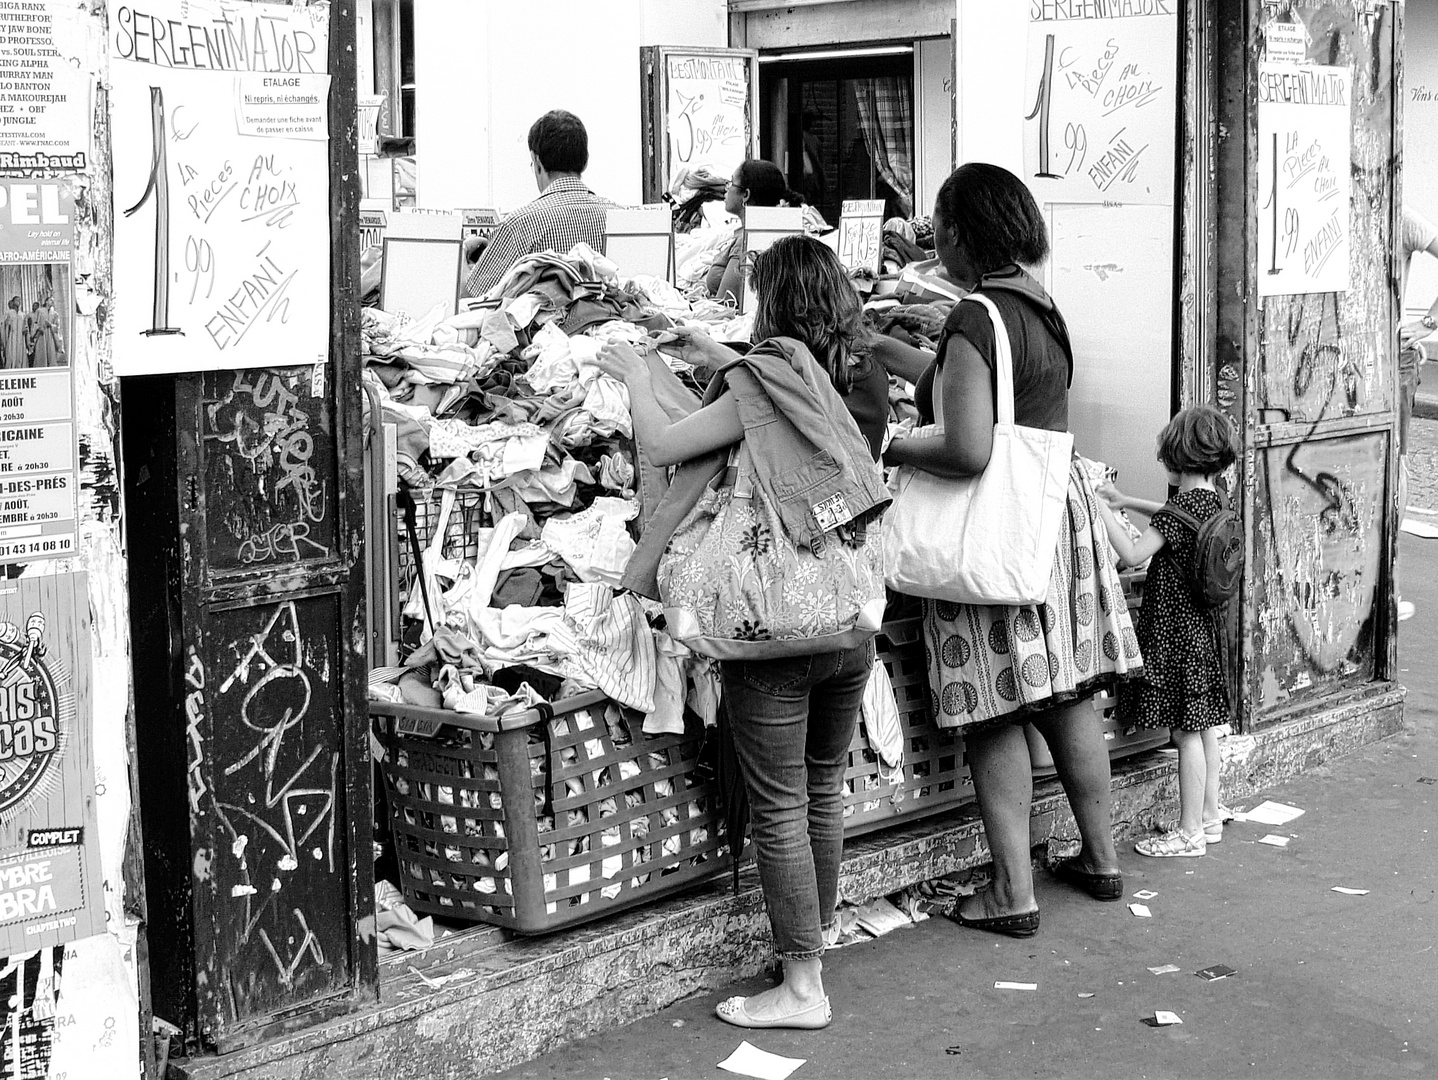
point(565, 213)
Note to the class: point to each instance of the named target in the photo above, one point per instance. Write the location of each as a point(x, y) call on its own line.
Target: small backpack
point(1216, 569)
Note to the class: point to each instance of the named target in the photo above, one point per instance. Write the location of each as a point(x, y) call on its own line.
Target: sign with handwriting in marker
point(1305, 152)
point(221, 180)
point(861, 234)
point(1102, 94)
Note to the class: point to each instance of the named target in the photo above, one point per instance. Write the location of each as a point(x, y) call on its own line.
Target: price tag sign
point(1305, 132)
point(861, 225)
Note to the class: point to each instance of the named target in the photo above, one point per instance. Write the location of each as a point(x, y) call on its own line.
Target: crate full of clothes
point(546, 817)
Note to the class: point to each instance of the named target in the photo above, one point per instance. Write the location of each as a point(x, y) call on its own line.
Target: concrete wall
point(485, 71)
point(1420, 139)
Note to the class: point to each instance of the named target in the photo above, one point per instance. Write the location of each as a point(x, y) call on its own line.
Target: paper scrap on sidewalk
point(1001, 985)
point(1215, 972)
point(1274, 840)
point(1428, 779)
point(1424, 529)
point(1141, 910)
point(1165, 969)
point(879, 917)
point(749, 1060)
point(1144, 894)
point(1350, 892)
point(1161, 1018)
point(1273, 813)
point(1088, 995)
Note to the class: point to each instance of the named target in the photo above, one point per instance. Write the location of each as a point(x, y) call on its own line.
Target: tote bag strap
point(1003, 362)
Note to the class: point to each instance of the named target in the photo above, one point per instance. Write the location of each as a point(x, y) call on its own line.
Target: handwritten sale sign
point(221, 180)
point(1304, 166)
point(1102, 92)
point(707, 96)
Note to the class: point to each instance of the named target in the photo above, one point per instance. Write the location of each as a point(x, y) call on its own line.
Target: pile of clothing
point(519, 454)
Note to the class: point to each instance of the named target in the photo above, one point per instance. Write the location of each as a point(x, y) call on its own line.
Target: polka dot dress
point(990, 663)
point(1182, 685)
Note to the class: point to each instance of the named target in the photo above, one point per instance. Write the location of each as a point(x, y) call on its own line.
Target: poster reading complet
point(50, 888)
point(1304, 165)
point(44, 88)
point(1101, 89)
point(221, 185)
point(39, 477)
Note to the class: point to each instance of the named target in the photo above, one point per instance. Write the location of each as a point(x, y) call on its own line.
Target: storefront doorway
point(841, 125)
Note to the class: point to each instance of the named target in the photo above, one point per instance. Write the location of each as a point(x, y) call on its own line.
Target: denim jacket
point(807, 453)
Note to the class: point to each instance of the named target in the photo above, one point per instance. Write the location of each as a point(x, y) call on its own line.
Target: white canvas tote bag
point(986, 539)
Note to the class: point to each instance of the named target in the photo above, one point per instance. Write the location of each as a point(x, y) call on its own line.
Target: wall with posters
point(1420, 148)
point(69, 902)
point(1089, 120)
point(508, 67)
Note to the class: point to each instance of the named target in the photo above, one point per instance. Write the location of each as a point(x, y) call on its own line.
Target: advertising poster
point(1101, 91)
point(219, 116)
point(39, 476)
point(1304, 166)
point(44, 88)
point(50, 888)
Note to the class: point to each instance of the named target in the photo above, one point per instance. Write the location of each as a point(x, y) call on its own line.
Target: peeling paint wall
point(1320, 400)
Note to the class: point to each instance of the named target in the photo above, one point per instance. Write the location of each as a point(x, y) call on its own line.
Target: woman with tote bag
point(994, 666)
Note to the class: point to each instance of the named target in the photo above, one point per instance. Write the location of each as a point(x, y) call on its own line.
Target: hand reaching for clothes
point(694, 346)
point(619, 360)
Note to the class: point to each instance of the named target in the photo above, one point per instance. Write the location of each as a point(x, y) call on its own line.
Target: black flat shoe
point(1099, 886)
point(1025, 925)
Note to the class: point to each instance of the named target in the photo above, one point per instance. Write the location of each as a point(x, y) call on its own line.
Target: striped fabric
point(565, 214)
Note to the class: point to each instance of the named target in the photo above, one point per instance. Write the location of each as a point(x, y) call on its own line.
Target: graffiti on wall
point(268, 770)
point(1320, 498)
point(268, 505)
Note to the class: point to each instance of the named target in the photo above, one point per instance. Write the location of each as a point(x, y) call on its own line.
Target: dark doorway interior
point(842, 128)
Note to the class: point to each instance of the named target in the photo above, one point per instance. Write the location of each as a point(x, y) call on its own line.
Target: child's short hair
point(1198, 440)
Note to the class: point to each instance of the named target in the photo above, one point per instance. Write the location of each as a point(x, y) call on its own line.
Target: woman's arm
point(668, 442)
point(900, 359)
point(732, 283)
point(968, 411)
point(1129, 553)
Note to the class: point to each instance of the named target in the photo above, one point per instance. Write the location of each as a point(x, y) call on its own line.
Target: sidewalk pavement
point(1327, 985)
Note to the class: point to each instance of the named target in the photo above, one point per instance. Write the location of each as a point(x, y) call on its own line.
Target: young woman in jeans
point(792, 718)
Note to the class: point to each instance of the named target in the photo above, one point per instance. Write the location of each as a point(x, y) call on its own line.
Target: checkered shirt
point(565, 214)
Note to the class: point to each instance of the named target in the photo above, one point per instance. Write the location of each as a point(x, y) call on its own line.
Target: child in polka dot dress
point(1182, 686)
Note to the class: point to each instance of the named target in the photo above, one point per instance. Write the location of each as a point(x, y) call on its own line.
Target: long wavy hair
point(802, 291)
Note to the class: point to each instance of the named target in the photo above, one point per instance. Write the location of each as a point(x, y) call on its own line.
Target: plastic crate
point(634, 817)
point(934, 775)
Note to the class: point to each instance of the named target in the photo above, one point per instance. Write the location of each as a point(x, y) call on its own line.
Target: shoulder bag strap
point(1183, 516)
point(1003, 363)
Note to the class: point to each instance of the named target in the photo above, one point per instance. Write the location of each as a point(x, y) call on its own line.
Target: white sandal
point(1173, 845)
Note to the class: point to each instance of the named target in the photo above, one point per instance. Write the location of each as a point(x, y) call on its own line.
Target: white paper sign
point(1102, 93)
point(1304, 155)
point(707, 99)
point(861, 234)
point(221, 181)
point(45, 99)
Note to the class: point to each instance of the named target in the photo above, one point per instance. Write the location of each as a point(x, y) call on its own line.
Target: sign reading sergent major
point(50, 889)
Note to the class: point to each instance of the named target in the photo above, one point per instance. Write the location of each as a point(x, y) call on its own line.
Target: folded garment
point(397, 927)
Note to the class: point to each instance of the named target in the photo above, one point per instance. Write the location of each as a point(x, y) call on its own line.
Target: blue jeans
point(792, 721)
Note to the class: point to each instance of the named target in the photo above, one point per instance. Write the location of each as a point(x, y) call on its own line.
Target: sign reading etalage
point(221, 180)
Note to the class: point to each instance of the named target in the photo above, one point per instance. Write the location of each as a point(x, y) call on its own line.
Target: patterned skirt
point(990, 663)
